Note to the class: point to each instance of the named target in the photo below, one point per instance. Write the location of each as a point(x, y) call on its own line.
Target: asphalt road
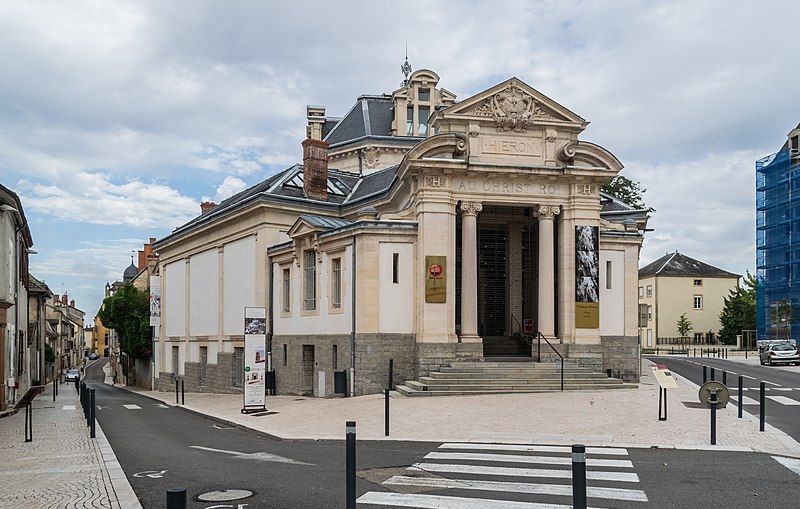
point(157, 447)
point(782, 385)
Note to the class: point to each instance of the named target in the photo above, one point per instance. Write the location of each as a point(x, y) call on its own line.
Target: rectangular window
point(649, 337)
point(424, 94)
point(642, 315)
point(175, 360)
point(608, 274)
point(335, 358)
point(396, 268)
point(698, 302)
point(287, 290)
point(649, 291)
point(422, 126)
point(310, 280)
point(201, 378)
point(285, 354)
point(649, 312)
point(641, 292)
point(410, 120)
point(336, 283)
point(698, 282)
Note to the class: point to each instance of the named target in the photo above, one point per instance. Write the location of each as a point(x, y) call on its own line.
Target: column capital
point(471, 208)
point(547, 211)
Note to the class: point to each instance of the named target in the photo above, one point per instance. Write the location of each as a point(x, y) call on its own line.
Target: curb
point(121, 487)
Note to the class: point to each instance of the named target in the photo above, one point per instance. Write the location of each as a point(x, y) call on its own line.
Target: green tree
point(128, 313)
point(49, 354)
point(627, 191)
point(738, 311)
point(684, 326)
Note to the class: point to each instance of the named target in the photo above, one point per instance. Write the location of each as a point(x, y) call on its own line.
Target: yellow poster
point(435, 279)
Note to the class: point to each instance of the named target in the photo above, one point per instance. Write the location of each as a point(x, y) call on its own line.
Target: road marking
point(792, 464)
point(750, 377)
point(442, 502)
point(161, 405)
point(746, 400)
point(784, 389)
point(772, 383)
point(523, 472)
point(152, 474)
point(260, 456)
point(516, 458)
point(783, 400)
point(132, 407)
point(608, 451)
point(68, 407)
point(515, 487)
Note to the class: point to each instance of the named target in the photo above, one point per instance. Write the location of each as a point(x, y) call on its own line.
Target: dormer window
point(410, 121)
point(424, 114)
point(424, 94)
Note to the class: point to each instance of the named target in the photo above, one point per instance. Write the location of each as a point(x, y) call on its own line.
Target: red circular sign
point(435, 270)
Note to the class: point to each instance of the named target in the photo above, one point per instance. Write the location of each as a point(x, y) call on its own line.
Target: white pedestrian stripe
point(750, 377)
point(442, 502)
point(515, 458)
point(516, 487)
point(132, 407)
point(792, 464)
point(523, 472)
point(772, 383)
point(746, 400)
point(609, 451)
point(782, 389)
point(68, 407)
point(783, 400)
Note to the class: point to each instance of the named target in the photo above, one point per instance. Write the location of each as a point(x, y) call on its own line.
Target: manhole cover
point(224, 495)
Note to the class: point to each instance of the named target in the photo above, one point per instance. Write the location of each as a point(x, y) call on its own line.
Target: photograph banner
point(155, 301)
point(587, 277)
point(255, 356)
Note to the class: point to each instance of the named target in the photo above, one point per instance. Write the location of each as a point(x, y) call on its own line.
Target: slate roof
point(371, 115)
point(374, 183)
point(36, 286)
point(326, 223)
point(679, 265)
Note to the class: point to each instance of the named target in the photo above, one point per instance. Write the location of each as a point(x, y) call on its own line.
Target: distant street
point(782, 386)
point(161, 447)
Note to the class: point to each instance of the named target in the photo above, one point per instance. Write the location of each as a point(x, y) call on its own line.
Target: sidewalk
point(62, 467)
point(612, 417)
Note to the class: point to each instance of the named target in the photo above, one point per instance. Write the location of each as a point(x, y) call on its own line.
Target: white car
point(72, 375)
point(776, 353)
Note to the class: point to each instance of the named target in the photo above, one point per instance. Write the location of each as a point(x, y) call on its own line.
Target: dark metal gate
point(492, 276)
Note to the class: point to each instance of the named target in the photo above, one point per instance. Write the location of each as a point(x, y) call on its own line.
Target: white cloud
point(228, 187)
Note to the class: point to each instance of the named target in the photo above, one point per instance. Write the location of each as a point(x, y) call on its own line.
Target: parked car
point(72, 375)
point(776, 353)
point(93, 356)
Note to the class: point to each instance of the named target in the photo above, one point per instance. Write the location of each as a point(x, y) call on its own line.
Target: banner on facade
point(436, 279)
point(255, 358)
point(587, 277)
point(155, 301)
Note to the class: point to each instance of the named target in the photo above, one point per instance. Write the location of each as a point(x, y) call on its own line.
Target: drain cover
point(224, 495)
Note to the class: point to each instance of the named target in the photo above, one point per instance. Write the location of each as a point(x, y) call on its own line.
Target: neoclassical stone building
point(419, 229)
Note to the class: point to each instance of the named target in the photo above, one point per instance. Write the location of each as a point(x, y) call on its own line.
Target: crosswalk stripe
point(68, 407)
point(516, 458)
point(784, 389)
point(443, 502)
point(515, 487)
point(132, 407)
point(792, 464)
point(750, 377)
point(591, 475)
point(783, 400)
point(607, 451)
point(746, 400)
point(772, 383)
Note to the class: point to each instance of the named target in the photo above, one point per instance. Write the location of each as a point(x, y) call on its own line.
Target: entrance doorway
point(308, 370)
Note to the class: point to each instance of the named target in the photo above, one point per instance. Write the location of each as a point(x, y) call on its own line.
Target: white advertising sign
point(255, 356)
point(155, 301)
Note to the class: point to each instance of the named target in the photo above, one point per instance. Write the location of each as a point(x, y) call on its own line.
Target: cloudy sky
point(117, 118)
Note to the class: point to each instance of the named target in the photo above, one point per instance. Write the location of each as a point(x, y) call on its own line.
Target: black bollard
point(177, 401)
point(724, 378)
point(350, 486)
point(705, 374)
point(91, 414)
point(579, 476)
point(745, 353)
point(176, 498)
point(54, 390)
point(762, 401)
point(183, 394)
point(740, 396)
point(713, 417)
point(391, 374)
point(713, 372)
point(386, 414)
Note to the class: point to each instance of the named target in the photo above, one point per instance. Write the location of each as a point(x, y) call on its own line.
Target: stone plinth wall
point(620, 354)
point(373, 352)
point(433, 356)
point(218, 377)
point(289, 375)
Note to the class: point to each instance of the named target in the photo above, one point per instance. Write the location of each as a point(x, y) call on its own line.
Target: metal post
point(705, 374)
point(176, 392)
point(724, 377)
point(713, 372)
point(713, 417)
point(740, 396)
point(176, 498)
point(386, 413)
point(54, 390)
point(91, 413)
point(183, 393)
point(391, 375)
point(28, 423)
point(762, 401)
point(350, 486)
point(579, 476)
point(745, 353)
point(562, 374)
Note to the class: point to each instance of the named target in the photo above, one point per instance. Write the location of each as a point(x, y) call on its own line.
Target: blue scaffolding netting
point(777, 246)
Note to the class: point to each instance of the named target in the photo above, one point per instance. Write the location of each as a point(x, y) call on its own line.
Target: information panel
point(255, 357)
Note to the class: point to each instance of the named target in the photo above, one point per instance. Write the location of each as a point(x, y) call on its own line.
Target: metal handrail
point(539, 338)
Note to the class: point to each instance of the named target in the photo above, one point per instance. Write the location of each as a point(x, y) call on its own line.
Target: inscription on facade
point(511, 146)
point(586, 189)
point(435, 181)
point(505, 187)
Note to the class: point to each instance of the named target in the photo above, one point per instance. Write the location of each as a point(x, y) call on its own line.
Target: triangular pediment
point(513, 105)
point(302, 227)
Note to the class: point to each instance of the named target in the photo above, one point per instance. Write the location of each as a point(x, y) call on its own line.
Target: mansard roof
point(370, 117)
point(679, 265)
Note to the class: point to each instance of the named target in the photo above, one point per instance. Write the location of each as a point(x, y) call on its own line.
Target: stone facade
point(373, 352)
point(433, 356)
point(219, 377)
point(620, 354)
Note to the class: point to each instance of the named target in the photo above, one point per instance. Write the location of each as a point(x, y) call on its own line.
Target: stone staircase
point(465, 378)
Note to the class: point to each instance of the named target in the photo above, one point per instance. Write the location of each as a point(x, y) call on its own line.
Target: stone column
point(469, 271)
point(546, 302)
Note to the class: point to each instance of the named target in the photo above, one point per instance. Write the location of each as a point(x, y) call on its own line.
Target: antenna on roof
point(406, 68)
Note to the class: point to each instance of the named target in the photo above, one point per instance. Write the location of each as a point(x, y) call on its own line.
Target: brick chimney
point(141, 259)
point(64, 299)
point(315, 169)
point(72, 303)
point(206, 206)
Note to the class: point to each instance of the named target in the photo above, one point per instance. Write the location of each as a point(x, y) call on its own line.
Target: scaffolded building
point(778, 242)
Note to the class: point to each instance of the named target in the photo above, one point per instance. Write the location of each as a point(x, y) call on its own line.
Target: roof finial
point(406, 69)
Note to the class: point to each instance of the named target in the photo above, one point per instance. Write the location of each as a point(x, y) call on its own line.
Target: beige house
point(418, 229)
point(676, 284)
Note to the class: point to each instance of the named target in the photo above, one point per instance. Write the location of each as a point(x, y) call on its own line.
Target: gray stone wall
point(218, 377)
point(620, 354)
point(289, 375)
point(433, 356)
point(373, 352)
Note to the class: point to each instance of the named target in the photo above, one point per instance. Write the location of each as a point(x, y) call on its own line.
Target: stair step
point(409, 391)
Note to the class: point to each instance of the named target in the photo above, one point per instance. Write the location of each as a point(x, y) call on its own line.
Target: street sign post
point(665, 381)
point(255, 359)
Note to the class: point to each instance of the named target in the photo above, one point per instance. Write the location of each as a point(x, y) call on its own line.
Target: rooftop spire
point(406, 69)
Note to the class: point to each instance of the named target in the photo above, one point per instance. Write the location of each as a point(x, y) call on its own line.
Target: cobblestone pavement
point(62, 467)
